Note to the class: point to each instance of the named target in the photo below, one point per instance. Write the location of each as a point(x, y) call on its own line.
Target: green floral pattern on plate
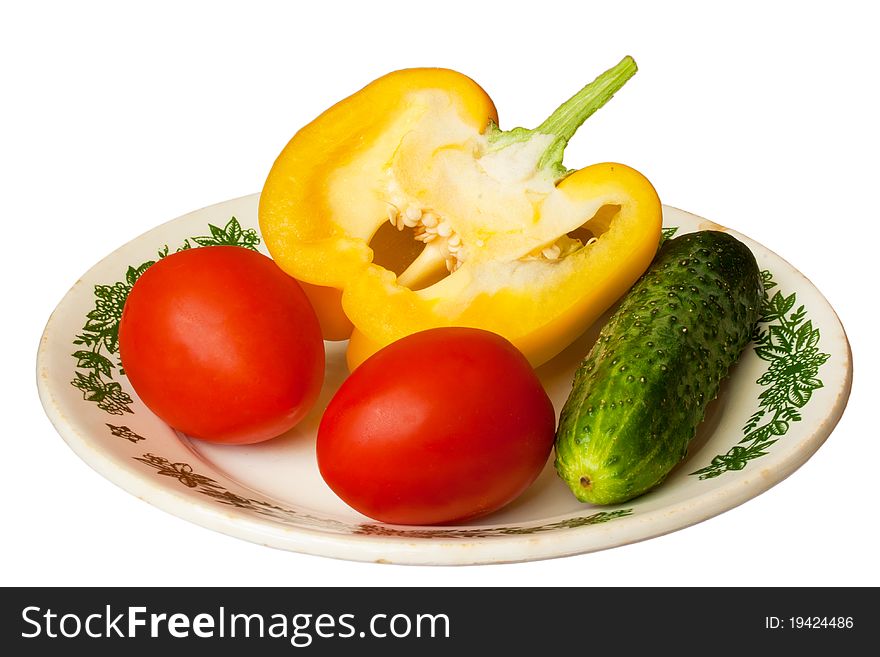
point(788, 341)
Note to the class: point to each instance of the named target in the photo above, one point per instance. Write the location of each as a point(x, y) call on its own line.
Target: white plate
point(779, 404)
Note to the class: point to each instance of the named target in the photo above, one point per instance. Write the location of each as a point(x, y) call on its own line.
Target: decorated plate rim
point(624, 528)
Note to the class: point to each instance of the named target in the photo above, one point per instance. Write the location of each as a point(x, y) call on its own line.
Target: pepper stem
point(569, 116)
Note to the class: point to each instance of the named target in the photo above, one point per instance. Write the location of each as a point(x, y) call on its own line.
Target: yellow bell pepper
point(409, 198)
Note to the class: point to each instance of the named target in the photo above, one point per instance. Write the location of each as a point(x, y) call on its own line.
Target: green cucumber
point(640, 393)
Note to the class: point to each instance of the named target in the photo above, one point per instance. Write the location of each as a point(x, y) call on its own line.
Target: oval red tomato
point(222, 345)
point(440, 426)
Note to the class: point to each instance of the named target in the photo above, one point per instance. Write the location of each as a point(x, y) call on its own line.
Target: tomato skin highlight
point(441, 426)
point(222, 345)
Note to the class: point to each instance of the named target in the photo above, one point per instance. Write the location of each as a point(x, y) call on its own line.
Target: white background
point(760, 116)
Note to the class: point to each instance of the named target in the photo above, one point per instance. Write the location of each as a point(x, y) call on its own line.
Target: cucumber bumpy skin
point(640, 393)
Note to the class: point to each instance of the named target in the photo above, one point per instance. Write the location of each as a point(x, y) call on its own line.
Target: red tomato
point(222, 345)
point(440, 426)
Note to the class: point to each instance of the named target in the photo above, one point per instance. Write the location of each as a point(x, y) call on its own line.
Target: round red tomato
point(222, 345)
point(440, 426)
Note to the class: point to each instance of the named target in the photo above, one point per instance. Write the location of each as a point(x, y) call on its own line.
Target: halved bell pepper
point(409, 198)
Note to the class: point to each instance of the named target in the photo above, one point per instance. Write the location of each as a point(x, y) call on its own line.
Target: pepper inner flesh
point(455, 199)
